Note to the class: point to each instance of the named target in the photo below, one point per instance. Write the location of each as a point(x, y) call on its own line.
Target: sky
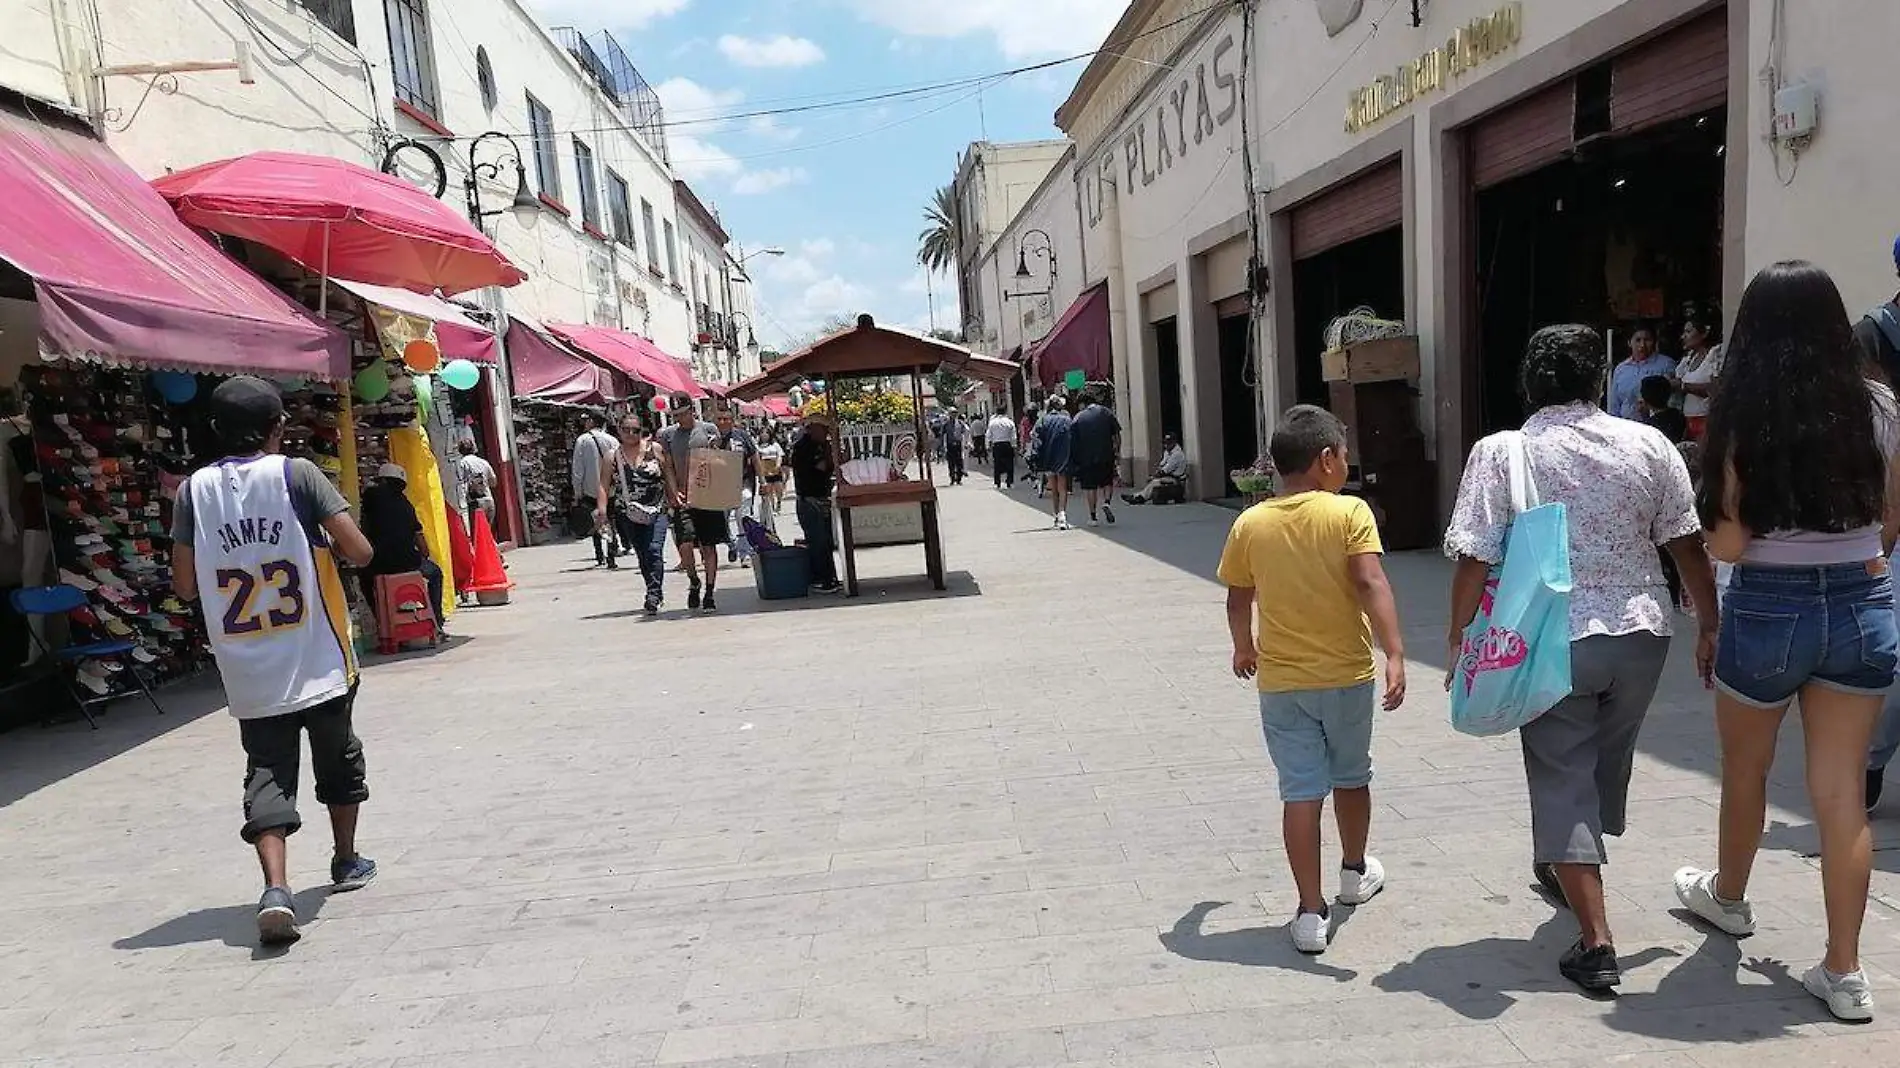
point(841, 190)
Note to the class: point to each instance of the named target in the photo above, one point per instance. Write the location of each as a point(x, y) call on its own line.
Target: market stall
point(555, 389)
point(886, 494)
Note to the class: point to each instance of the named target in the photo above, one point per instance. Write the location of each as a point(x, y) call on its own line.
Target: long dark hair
point(1793, 412)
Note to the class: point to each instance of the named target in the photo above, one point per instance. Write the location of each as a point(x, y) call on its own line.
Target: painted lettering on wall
point(1167, 132)
point(1476, 43)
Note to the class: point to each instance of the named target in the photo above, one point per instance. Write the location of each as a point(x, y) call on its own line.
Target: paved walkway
point(1025, 825)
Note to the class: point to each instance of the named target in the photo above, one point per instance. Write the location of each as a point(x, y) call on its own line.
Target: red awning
point(1078, 342)
point(631, 353)
point(460, 337)
point(779, 405)
point(120, 280)
point(546, 370)
point(340, 219)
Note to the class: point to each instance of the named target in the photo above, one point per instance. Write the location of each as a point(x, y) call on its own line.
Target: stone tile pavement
point(1024, 825)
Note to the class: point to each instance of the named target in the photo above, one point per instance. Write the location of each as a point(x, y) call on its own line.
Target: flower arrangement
point(872, 406)
point(1259, 478)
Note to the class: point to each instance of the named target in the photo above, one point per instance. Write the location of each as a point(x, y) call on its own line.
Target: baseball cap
point(394, 473)
point(245, 408)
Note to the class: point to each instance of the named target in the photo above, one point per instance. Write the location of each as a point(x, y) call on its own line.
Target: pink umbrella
point(341, 220)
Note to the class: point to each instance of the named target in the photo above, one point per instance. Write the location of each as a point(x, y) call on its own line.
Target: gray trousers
point(1578, 755)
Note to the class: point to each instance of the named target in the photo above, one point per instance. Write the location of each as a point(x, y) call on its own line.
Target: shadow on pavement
point(32, 758)
point(234, 925)
point(1255, 947)
point(745, 600)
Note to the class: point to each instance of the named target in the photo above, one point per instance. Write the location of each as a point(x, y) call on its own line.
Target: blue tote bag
point(1514, 664)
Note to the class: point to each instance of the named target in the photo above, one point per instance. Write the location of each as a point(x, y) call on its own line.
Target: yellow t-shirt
point(1292, 552)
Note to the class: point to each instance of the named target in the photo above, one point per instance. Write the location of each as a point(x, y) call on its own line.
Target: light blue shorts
point(1320, 740)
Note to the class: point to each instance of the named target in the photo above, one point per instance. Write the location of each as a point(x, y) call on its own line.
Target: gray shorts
point(273, 747)
point(1320, 740)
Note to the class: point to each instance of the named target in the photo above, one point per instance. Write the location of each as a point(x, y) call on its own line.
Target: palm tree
point(937, 244)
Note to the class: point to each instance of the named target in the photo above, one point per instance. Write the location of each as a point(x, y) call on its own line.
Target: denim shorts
point(1786, 627)
point(1320, 740)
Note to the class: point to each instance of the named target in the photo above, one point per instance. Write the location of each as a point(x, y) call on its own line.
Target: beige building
point(993, 183)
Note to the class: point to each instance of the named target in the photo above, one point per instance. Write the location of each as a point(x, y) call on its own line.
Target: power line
point(376, 122)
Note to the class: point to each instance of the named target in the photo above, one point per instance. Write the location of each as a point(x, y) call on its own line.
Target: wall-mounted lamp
point(1046, 250)
point(525, 207)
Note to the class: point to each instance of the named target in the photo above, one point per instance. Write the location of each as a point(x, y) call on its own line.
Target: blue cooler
point(781, 574)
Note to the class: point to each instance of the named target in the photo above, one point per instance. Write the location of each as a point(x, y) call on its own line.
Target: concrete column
point(1200, 381)
point(1123, 332)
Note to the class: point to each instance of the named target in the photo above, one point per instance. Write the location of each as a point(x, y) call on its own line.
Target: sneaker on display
point(1849, 997)
point(1695, 888)
point(1311, 931)
point(1359, 887)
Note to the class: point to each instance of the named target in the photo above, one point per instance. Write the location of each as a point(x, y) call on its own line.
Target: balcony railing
point(606, 64)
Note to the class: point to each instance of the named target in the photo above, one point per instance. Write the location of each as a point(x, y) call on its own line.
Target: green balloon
point(372, 383)
point(425, 393)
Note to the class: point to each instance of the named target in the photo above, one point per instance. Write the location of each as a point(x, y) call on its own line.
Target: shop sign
point(887, 524)
point(1479, 42)
point(1159, 140)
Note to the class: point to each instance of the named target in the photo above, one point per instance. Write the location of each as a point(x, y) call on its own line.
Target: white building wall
point(39, 50)
point(1051, 208)
point(993, 183)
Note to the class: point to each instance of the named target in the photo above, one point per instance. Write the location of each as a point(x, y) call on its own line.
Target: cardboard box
point(1386, 360)
point(713, 479)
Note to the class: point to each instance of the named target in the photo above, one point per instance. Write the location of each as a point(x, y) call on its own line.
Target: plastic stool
point(403, 612)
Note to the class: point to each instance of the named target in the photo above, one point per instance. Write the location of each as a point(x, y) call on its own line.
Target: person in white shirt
point(590, 450)
point(1701, 365)
point(1001, 435)
point(1171, 472)
point(475, 484)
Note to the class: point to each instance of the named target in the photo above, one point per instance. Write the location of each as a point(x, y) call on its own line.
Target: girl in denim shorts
point(1794, 493)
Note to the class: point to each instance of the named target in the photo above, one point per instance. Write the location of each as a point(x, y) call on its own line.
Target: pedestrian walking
point(254, 535)
point(771, 475)
point(1001, 436)
point(814, 471)
point(591, 449)
point(1094, 454)
point(632, 497)
point(1050, 455)
point(1627, 492)
point(739, 440)
point(1796, 474)
point(701, 531)
point(956, 433)
point(1305, 568)
point(475, 484)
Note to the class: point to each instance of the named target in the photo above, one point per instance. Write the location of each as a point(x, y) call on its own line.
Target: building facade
point(993, 183)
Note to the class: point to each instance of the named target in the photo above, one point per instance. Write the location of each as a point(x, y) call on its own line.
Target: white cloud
point(766, 126)
point(685, 98)
point(818, 247)
point(698, 160)
point(779, 51)
point(1020, 30)
point(587, 15)
point(753, 183)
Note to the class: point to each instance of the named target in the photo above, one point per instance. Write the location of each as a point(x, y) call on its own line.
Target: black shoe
point(708, 606)
point(651, 609)
point(1592, 969)
point(277, 918)
point(692, 598)
point(1876, 782)
point(1547, 881)
point(732, 556)
point(613, 565)
point(1108, 514)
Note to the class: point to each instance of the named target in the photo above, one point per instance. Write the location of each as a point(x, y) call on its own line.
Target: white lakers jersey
point(273, 598)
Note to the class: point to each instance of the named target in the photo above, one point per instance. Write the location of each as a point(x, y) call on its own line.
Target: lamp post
point(725, 281)
point(1046, 250)
point(526, 207)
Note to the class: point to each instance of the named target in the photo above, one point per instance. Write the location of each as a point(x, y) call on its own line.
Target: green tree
point(937, 244)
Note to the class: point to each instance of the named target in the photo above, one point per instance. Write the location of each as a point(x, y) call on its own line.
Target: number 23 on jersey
point(271, 599)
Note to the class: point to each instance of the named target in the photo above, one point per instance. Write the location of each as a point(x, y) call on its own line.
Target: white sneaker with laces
point(1062, 520)
point(1695, 888)
point(1311, 932)
point(1848, 997)
point(1357, 888)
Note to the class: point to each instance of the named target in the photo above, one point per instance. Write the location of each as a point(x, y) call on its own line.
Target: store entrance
point(1368, 272)
point(1240, 445)
point(1623, 234)
point(1167, 348)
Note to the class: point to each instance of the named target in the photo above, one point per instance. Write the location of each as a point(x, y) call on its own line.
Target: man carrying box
point(703, 528)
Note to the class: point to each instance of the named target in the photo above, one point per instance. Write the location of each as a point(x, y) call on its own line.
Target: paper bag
point(713, 478)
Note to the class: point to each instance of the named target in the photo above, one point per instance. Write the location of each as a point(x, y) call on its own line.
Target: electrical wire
point(1337, 71)
point(376, 122)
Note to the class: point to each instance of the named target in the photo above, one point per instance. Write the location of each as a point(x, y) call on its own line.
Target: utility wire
point(376, 123)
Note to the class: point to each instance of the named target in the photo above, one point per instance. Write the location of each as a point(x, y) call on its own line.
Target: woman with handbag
point(1625, 491)
point(1798, 493)
point(633, 499)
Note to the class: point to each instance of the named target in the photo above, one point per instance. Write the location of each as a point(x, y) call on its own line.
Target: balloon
point(461, 374)
point(421, 356)
point(657, 404)
point(372, 383)
point(175, 386)
point(425, 393)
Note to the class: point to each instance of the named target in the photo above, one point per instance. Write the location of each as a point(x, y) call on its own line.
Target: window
point(590, 192)
point(337, 15)
point(547, 168)
point(620, 208)
point(411, 57)
point(672, 256)
point(693, 276)
point(485, 79)
point(653, 239)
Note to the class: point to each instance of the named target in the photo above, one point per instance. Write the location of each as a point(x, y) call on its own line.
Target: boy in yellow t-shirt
point(1309, 560)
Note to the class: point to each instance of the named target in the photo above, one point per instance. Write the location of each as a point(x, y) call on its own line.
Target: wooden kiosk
point(878, 498)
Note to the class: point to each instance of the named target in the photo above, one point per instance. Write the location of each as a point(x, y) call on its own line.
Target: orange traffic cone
point(461, 551)
point(490, 583)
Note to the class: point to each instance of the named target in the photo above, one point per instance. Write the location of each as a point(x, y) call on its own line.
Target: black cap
point(244, 410)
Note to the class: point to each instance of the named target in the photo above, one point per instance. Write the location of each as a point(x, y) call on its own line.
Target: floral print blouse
point(1626, 491)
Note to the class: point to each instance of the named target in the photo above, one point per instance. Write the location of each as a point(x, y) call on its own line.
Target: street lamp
point(1047, 251)
point(751, 338)
point(526, 207)
point(769, 250)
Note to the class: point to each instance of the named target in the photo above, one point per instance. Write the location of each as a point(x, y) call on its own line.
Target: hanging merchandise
point(372, 383)
point(544, 448)
point(461, 374)
point(177, 387)
point(425, 394)
point(409, 449)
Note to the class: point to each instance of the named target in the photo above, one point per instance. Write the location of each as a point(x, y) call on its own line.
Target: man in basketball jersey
point(253, 535)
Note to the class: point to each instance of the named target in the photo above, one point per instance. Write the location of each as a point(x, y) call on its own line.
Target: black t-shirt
point(1092, 435)
point(1673, 424)
point(812, 467)
point(391, 525)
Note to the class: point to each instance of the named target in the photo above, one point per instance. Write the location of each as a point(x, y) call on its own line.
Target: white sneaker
point(1848, 997)
point(1357, 888)
point(1062, 520)
point(1695, 888)
point(1311, 932)
point(1094, 522)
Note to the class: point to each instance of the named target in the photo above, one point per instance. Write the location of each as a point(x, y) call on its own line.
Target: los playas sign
point(1205, 100)
point(1476, 43)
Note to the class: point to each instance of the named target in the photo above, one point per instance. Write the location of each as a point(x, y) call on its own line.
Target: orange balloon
point(421, 356)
